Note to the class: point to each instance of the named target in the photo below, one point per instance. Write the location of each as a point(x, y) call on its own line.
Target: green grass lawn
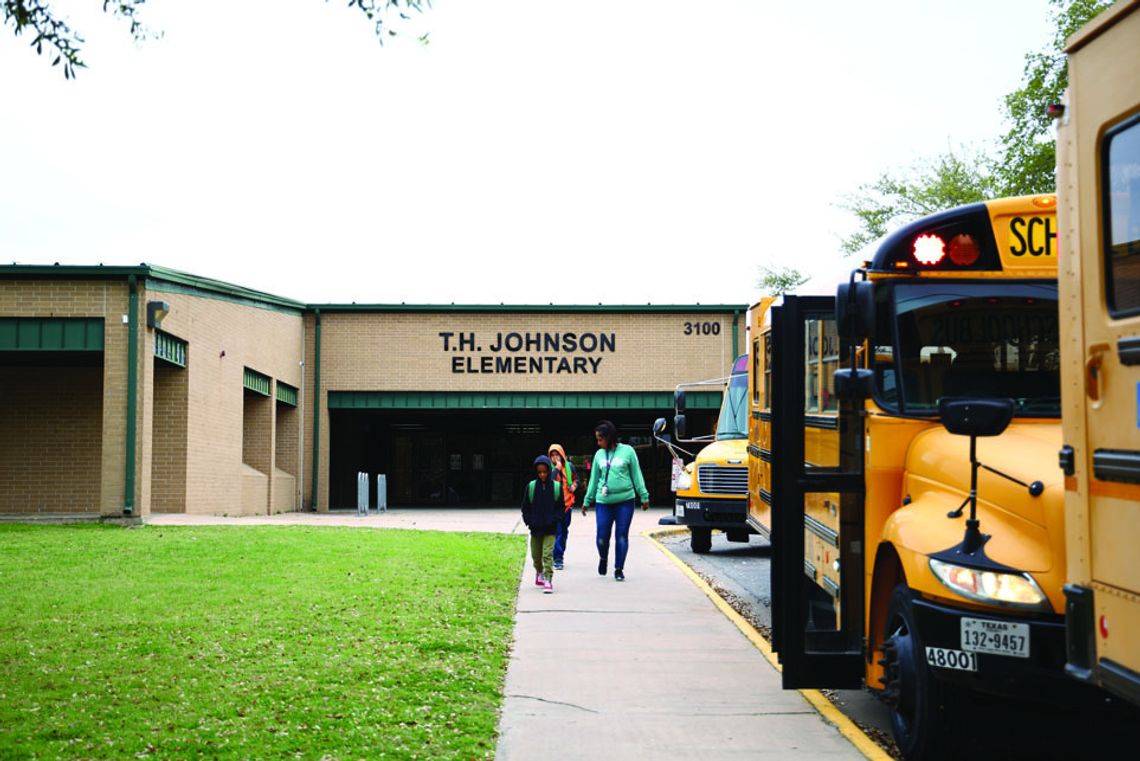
point(252, 642)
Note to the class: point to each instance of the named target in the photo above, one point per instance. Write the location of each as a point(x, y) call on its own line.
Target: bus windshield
point(981, 340)
point(733, 422)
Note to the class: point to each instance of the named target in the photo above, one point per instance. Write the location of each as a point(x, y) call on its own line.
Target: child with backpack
point(564, 474)
point(542, 509)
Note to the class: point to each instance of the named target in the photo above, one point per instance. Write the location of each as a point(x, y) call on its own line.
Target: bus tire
point(923, 709)
point(700, 540)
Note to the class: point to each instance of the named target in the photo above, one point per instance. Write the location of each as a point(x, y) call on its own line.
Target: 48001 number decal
point(943, 658)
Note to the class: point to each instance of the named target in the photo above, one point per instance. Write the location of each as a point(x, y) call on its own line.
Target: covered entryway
point(476, 449)
point(51, 414)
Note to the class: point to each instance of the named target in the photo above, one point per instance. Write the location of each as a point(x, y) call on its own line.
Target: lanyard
point(609, 459)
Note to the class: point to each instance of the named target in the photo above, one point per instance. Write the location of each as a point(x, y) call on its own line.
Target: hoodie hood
point(557, 448)
point(543, 460)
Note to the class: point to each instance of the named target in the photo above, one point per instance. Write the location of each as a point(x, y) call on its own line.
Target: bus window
point(755, 373)
point(830, 363)
point(978, 340)
point(811, 376)
point(767, 370)
point(1123, 209)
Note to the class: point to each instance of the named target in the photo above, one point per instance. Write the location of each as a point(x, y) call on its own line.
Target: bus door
point(817, 502)
point(1112, 408)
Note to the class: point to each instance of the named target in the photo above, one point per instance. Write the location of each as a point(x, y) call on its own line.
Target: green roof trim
point(164, 279)
point(257, 382)
point(51, 334)
point(286, 394)
point(727, 309)
point(170, 348)
point(505, 400)
point(158, 279)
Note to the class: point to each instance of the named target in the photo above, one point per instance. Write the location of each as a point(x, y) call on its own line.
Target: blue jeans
point(622, 514)
point(563, 533)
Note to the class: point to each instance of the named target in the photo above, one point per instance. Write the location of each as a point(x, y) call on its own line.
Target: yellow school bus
point(902, 457)
point(1098, 180)
point(710, 490)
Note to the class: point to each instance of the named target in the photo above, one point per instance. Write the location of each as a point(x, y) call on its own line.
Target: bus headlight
point(684, 481)
point(1010, 590)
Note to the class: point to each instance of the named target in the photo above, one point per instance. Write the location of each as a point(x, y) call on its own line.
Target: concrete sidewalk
point(645, 669)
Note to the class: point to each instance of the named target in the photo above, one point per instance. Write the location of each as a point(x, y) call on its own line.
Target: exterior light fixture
point(155, 311)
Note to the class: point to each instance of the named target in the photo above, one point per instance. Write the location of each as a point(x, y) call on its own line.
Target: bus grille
point(722, 479)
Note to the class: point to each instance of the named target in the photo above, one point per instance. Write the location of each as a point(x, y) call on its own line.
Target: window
point(977, 340)
point(767, 402)
point(733, 423)
point(756, 387)
point(1122, 207)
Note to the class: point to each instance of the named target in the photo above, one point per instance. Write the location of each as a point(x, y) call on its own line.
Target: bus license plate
point(995, 637)
point(944, 658)
point(680, 510)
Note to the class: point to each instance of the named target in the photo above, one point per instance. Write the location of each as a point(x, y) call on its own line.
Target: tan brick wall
point(50, 439)
point(254, 493)
point(288, 435)
point(224, 337)
point(168, 440)
point(360, 352)
point(405, 352)
point(257, 432)
point(398, 352)
point(284, 492)
point(88, 298)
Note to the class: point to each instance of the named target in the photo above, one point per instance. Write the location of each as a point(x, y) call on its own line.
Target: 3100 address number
point(702, 328)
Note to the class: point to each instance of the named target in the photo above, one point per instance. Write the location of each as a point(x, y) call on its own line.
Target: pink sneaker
point(547, 587)
point(539, 579)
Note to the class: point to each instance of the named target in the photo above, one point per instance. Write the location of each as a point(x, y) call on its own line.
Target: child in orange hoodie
point(564, 473)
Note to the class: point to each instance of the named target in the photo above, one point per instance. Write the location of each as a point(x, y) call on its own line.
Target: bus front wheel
point(700, 540)
point(924, 710)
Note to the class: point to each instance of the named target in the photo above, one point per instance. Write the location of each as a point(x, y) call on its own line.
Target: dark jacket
point(543, 514)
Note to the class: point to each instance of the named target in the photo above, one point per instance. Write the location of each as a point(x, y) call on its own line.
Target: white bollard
point(362, 494)
point(381, 493)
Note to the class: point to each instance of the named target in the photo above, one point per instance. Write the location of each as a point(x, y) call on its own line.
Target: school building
point(131, 390)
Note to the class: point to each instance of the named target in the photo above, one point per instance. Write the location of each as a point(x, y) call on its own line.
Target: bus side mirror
point(659, 426)
point(855, 310)
point(854, 383)
point(679, 426)
point(679, 400)
point(975, 417)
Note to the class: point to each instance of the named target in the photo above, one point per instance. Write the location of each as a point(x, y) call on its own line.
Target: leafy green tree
point(52, 34)
point(1028, 151)
point(951, 179)
point(1022, 161)
point(777, 282)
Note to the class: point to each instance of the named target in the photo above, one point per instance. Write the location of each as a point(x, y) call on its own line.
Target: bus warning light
point(963, 250)
point(929, 249)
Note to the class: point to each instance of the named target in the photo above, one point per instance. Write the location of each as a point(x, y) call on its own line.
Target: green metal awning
point(286, 394)
point(170, 348)
point(466, 400)
point(51, 334)
point(257, 382)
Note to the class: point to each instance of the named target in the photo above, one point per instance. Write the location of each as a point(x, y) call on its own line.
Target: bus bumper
point(1041, 677)
point(705, 512)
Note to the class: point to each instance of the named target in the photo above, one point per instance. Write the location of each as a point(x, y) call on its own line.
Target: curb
point(822, 705)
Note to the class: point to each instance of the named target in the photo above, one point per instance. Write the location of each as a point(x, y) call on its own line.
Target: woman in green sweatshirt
point(615, 481)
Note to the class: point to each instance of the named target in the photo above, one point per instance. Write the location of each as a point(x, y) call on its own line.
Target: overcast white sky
point(624, 152)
